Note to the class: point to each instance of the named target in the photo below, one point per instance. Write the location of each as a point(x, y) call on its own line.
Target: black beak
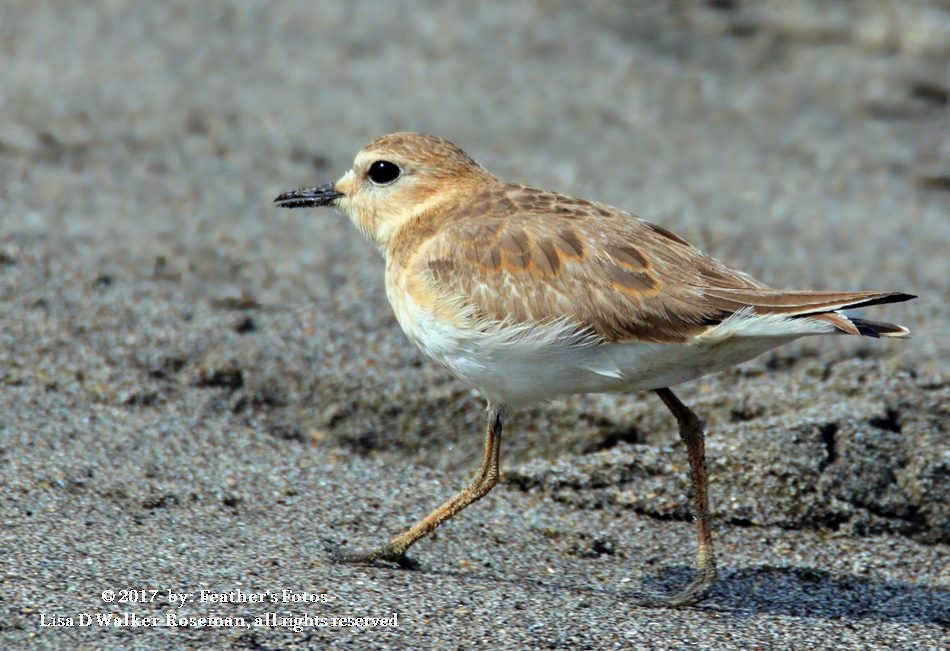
point(323, 195)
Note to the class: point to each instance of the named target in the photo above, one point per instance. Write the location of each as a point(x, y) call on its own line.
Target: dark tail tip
point(879, 329)
point(896, 297)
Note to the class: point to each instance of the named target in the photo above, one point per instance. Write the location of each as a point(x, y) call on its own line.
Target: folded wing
point(539, 257)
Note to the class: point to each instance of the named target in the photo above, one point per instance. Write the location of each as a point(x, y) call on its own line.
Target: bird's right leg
point(395, 550)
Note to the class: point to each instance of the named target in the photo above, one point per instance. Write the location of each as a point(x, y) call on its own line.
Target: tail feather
point(846, 323)
point(802, 303)
point(826, 307)
point(840, 322)
point(879, 328)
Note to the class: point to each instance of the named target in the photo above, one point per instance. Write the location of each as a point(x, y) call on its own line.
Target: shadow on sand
point(793, 591)
point(815, 593)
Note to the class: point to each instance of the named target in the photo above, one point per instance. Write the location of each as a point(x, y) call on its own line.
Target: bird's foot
point(385, 554)
point(698, 589)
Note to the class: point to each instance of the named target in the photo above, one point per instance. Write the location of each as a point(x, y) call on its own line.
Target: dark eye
point(382, 172)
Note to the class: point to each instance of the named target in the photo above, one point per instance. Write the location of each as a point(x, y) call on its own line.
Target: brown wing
point(529, 255)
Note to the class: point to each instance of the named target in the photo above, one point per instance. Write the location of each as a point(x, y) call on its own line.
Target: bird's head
point(395, 180)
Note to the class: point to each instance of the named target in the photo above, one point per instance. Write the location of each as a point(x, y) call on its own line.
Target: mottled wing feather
point(520, 255)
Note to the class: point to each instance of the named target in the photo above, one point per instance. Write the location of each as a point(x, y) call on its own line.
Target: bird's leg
point(395, 550)
point(691, 432)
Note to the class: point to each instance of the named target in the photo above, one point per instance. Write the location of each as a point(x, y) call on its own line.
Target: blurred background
point(805, 142)
point(141, 144)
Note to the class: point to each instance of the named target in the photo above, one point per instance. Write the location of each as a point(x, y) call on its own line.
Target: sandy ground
point(199, 391)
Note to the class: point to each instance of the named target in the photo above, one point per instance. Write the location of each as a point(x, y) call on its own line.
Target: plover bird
point(527, 295)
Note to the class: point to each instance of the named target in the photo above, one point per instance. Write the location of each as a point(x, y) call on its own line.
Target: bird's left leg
point(691, 432)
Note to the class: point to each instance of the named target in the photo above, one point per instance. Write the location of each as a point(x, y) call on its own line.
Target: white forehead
point(366, 158)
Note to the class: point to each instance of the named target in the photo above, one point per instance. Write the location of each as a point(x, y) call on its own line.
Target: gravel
point(199, 391)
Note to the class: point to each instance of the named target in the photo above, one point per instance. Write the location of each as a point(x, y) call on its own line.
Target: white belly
point(518, 365)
